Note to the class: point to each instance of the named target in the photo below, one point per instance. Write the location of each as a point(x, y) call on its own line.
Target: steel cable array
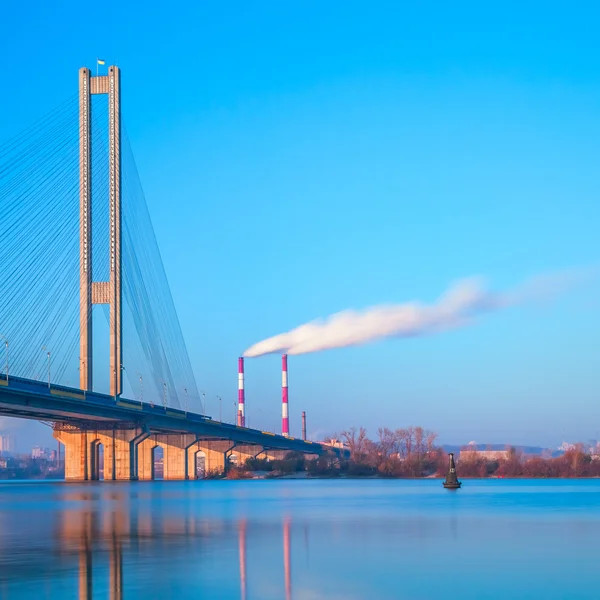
point(39, 261)
point(149, 310)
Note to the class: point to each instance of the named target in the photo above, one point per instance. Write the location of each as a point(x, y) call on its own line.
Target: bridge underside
point(130, 431)
point(129, 454)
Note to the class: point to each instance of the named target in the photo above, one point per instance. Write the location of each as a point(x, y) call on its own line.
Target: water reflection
point(298, 540)
point(242, 550)
point(103, 545)
point(286, 558)
point(85, 565)
point(81, 529)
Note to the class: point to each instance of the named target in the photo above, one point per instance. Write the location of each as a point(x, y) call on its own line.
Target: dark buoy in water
point(451, 483)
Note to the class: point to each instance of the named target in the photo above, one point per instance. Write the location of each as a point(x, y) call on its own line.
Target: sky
point(300, 159)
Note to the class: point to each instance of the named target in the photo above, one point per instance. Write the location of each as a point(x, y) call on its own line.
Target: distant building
point(565, 447)
point(486, 454)
point(38, 452)
point(7, 443)
point(335, 443)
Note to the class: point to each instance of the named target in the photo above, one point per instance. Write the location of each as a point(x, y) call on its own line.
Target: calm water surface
point(302, 540)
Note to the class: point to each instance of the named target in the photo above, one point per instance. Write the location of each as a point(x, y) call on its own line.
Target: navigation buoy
point(451, 483)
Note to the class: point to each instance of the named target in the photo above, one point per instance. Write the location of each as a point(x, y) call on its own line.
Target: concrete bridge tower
point(100, 292)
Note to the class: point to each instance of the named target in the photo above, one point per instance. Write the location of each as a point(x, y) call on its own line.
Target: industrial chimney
point(285, 421)
point(304, 425)
point(241, 417)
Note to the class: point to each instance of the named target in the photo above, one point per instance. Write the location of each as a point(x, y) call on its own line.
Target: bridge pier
point(78, 455)
point(129, 452)
point(175, 455)
point(215, 456)
point(82, 453)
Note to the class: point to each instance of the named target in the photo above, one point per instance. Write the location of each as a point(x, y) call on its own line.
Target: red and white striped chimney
point(285, 420)
point(241, 398)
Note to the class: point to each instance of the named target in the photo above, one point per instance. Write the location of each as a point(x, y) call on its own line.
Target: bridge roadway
point(124, 427)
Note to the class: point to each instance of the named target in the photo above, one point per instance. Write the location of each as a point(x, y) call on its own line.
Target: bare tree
point(406, 439)
point(401, 435)
point(357, 442)
point(419, 442)
point(388, 442)
point(430, 441)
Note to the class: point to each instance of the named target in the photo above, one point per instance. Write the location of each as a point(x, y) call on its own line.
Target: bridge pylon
point(100, 292)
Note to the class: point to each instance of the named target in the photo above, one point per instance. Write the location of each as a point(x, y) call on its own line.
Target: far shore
point(305, 476)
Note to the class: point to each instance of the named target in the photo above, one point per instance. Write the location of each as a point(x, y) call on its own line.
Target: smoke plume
point(457, 307)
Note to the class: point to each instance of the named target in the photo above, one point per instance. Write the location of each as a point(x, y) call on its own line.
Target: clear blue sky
point(303, 158)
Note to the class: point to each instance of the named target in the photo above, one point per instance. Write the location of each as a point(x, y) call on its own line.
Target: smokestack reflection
point(242, 549)
point(287, 567)
point(306, 548)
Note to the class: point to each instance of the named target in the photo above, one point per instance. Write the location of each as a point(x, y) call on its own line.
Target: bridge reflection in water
point(89, 544)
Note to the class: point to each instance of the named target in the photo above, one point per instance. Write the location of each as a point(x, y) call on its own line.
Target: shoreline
point(382, 478)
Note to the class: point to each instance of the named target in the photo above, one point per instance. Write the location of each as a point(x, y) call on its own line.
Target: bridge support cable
point(39, 254)
point(39, 261)
point(154, 347)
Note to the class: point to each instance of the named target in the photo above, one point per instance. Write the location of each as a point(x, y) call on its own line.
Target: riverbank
point(305, 476)
point(434, 464)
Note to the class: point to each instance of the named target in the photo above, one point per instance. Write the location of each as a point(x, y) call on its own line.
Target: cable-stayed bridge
point(91, 337)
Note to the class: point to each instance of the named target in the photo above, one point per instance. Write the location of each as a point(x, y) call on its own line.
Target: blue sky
point(301, 159)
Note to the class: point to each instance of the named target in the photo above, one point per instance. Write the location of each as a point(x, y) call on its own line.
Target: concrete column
point(85, 231)
point(95, 460)
point(120, 453)
point(192, 452)
point(175, 455)
point(215, 453)
point(145, 459)
point(114, 203)
point(78, 454)
point(176, 449)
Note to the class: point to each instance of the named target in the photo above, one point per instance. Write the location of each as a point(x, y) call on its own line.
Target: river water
point(300, 539)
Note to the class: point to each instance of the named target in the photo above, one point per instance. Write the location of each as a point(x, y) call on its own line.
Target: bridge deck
point(29, 399)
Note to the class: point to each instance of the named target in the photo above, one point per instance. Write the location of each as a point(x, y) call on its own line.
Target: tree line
point(576, 462)
point(412, 453)
point(407, 452)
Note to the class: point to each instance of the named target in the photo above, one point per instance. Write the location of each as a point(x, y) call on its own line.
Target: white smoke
point(457, 307)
